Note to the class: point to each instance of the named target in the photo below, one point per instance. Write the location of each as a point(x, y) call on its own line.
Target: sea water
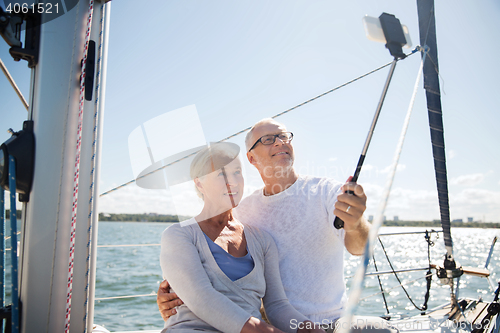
point(135, 270)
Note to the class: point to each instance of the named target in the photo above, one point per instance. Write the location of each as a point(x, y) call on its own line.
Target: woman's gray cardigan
point(212, 302)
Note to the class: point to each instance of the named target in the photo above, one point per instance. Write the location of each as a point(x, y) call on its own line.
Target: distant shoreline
point(104, 217)
point(484, 225)
point(160, 218)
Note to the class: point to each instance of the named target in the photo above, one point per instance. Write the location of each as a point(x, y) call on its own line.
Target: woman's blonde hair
point(212, 158)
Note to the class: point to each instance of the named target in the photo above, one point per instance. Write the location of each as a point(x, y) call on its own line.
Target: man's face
point(270, 158)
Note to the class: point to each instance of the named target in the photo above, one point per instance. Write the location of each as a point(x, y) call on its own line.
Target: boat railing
point(126, 245)
point(410, 232)
point(122, 297)
point(467, 270)
point(157, 244)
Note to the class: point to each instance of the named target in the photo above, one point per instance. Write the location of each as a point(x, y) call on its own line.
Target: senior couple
point(278, 246)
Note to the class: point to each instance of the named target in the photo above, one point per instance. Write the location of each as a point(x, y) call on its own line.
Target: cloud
point(399, 168)
point(414, 205)
point(410, 205)
point(471, 196)
point(478, 203)
point(451, 154)
point(177, 200)
point(136, 200)
point(332, 159)
point(368, 167)
point(468, 180)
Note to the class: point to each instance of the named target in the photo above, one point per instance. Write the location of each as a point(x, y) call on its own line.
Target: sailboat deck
point(475, 315)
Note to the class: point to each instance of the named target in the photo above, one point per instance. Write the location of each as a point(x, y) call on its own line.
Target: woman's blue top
point(235, 268)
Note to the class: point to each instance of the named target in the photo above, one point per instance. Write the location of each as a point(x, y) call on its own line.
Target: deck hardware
point(22, 147)
point(89, 71)
point(10, 29)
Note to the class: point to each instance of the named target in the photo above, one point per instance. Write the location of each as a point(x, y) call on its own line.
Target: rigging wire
point(91, 218)
point(428, 275)
point(386, 290)
point(126, 245)
point(424, 307)
point(380, 283)
point(126, 296)
point(14, 85)
point(248, 128)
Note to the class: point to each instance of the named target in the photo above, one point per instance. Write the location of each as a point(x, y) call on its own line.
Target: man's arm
point(355, 240)
point(167, 301)
point(350, 209)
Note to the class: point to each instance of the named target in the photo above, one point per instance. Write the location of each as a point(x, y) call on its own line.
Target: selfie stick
point(338, 223)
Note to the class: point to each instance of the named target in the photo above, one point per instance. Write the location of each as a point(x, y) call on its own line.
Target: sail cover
point(427, 27)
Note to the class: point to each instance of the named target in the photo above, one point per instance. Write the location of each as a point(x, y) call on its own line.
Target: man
point(299, 212)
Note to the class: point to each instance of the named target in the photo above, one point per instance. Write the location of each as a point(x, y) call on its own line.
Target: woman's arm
point(182, 268)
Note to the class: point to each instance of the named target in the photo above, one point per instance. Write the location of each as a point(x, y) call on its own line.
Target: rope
point(120, 297)
point(128, 245)
point(13, 244)
point(13, 84)
point(420, 278)
point(2, 248)
point(76, 173)
point(377, 222)
point(380, 284)
point(93, 163)
point(400, 283)
point(248, 128)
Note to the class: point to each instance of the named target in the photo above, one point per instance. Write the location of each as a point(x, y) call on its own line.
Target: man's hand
point(350, 208)
point(167, 301)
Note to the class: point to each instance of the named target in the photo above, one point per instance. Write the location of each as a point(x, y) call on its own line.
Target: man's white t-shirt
point(311, 250)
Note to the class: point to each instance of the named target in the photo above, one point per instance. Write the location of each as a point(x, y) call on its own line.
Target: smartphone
point(374, 31)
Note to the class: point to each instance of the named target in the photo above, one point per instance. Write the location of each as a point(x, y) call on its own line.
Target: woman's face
point(223, 189)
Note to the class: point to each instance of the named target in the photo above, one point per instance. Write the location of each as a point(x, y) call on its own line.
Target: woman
point(220, 268)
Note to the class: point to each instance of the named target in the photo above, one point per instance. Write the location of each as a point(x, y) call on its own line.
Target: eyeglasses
point(271, 138)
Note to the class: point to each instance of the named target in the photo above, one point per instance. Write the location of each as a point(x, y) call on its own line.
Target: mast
point(427, 28)
point(47, 217)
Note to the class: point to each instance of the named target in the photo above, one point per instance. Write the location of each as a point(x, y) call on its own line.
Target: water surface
point(136, 271)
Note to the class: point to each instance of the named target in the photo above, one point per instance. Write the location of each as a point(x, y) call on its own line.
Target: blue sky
point(241, 61)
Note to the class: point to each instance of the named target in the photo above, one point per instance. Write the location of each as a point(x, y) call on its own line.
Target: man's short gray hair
point(249, 141)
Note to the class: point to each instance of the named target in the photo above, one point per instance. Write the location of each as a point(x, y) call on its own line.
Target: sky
point(240, 61)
